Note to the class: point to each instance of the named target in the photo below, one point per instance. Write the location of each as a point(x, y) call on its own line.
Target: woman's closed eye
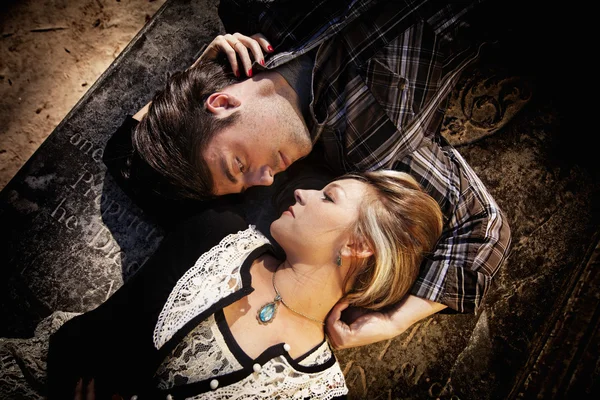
point(326, 197)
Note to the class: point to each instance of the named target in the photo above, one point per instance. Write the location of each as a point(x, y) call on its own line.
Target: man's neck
point(282, 88)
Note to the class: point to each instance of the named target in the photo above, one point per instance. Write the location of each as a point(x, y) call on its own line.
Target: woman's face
point(317, 226)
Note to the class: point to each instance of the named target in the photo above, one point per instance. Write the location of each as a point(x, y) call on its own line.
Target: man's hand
point(238, 46)
point(362, 327)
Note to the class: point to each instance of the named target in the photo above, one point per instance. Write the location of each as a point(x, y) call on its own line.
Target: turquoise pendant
point(266, 314)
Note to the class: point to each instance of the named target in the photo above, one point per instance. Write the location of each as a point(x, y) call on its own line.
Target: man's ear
point(222, 104)
point(357, 248)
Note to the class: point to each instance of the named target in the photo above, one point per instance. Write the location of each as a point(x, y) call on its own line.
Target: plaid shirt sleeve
point(476, 236)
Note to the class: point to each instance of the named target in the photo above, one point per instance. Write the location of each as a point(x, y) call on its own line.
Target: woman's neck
point(307, 289)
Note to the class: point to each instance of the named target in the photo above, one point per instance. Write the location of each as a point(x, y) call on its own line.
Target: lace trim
point(214, 276)
point(320, 356)
point(201, 355)
point(278, 379)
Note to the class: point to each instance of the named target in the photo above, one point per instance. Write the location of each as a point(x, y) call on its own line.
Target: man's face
point(264, 141)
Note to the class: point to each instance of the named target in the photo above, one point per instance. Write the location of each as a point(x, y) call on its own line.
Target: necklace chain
point(278, 297)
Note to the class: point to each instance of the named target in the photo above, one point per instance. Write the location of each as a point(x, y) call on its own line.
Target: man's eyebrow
point(227, 172)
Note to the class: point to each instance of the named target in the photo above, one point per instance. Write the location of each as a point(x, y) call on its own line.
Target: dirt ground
point(51, 53)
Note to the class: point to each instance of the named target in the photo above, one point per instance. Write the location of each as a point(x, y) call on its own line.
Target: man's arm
point(371, 327)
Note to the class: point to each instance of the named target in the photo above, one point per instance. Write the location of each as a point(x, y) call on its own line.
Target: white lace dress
point(208, 362)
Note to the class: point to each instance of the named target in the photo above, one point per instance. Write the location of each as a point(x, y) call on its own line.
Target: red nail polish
point(237, 74)
point(269, 48)
point(250, 72)
point(262, 62)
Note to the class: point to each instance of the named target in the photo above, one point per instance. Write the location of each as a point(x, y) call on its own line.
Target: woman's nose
point(300, 196)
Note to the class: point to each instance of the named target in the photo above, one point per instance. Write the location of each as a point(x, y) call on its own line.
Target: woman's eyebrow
point(338, 188)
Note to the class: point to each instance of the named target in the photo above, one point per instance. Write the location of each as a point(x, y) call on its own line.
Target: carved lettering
point(133, 221)
point(85, 177)
point(75, 139)
point(85, 146)
point(97, 154)
point(72, 219)
point(113, 208)
point(114, 252)
point(102, 240)
point(61, 209)
point(134, 266)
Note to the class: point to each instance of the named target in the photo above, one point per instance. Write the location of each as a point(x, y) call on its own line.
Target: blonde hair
point(401, 224)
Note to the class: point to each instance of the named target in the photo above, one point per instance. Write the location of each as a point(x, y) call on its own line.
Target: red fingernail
point(269, 48)
point(250, 72)
point(237, 74)
point(262, 62)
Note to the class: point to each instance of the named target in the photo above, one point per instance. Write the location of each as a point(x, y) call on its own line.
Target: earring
point(338, 260)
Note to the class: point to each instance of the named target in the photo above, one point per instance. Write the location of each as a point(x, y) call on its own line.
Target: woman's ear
point(357, 248)
point(222, 104)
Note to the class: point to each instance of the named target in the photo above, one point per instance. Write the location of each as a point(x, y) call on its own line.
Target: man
point(361, 84)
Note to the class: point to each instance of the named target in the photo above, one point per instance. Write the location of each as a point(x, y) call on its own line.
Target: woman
point(216, 314)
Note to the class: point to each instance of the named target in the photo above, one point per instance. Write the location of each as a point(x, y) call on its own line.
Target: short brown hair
point(177, 128)
point(401, 224)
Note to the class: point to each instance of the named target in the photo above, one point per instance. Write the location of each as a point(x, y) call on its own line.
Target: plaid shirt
point(382, 73)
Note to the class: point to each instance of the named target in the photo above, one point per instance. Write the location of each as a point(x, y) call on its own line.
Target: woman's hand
point(362, 327)
point(239, 49)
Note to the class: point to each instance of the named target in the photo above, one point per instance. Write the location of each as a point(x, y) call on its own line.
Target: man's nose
point(261, 177)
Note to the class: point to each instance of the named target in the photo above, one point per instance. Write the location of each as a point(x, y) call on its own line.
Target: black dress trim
point(240, 355)
point(244, 359)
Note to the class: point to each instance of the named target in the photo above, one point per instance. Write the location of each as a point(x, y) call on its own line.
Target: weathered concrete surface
point(70, 236)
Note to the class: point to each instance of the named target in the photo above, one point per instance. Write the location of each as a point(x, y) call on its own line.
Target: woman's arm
point(370, 327)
